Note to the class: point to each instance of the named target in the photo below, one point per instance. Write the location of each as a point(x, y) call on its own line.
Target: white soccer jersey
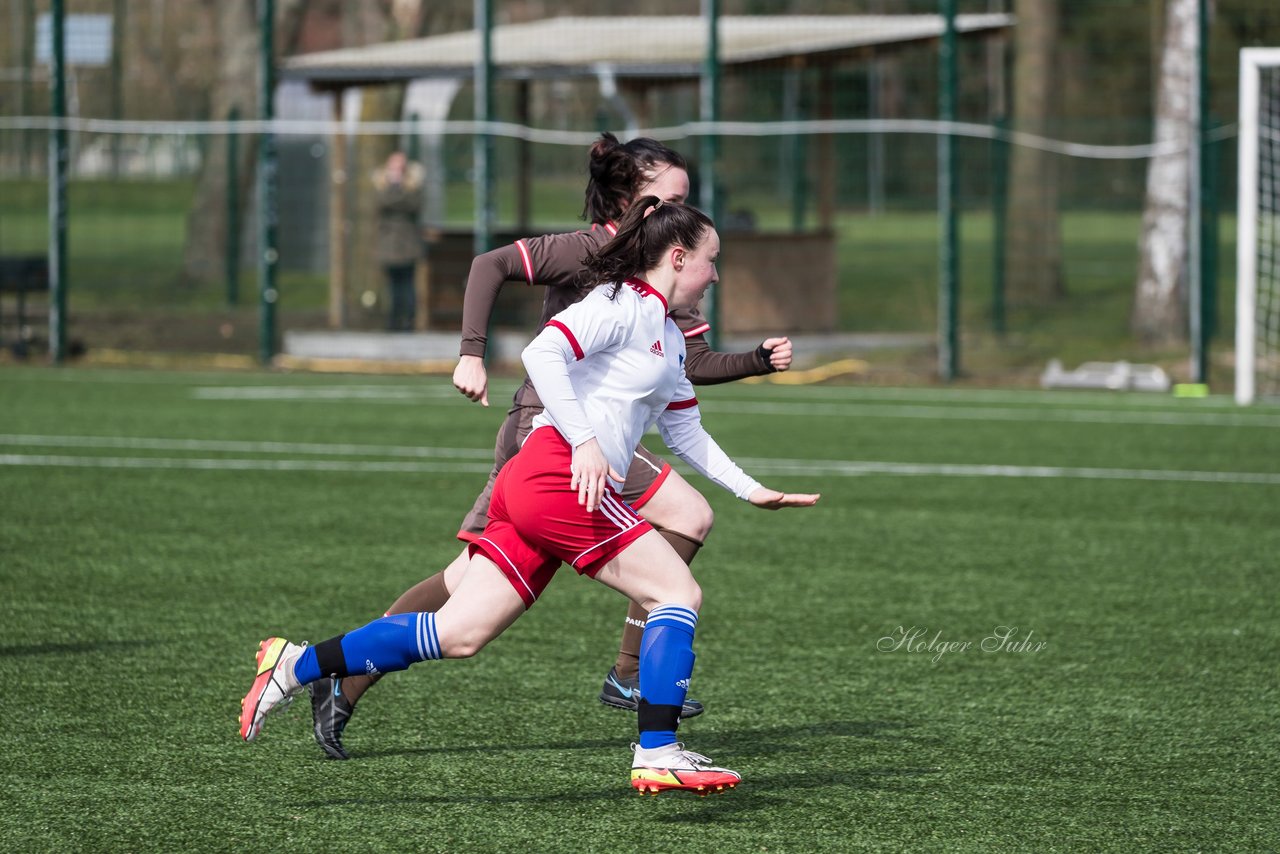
point(611, 368)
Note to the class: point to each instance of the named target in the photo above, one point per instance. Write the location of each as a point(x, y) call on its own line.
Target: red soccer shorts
point(536, 522)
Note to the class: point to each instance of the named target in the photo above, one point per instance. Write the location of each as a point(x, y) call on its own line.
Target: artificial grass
point(134, 598)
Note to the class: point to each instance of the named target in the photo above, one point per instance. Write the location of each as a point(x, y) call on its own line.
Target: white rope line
point(325, 127)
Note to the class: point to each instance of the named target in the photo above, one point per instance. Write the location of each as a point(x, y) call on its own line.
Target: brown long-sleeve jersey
point(555, 261)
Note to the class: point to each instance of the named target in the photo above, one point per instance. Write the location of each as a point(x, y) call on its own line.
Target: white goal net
point(1258, 224)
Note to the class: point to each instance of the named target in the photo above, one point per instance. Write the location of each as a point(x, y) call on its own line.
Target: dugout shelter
point(631, 57)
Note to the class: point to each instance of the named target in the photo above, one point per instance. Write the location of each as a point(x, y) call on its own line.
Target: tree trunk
point(1159, 305)
point(1033, 266)
point(370, 23)
point(236, 85)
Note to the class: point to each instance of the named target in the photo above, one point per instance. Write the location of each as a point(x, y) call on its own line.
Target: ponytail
point(618, 170)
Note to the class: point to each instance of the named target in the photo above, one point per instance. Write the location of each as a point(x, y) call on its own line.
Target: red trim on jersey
point(646, 290)
point(527, 260)
point(612, 228)
point(683, 404)
point(653, 487)
point(573, 342)
point(697, 330)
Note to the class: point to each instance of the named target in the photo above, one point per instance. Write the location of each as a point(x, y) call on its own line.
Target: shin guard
point(666, 664)
point(383, 646)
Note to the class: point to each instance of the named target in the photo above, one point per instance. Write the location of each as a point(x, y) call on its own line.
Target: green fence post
point(1199, 295)
point(948, 250)
point(58, 188)
point(999, 220)
point(1209, 233)
point(1203, 291)
point(24, 90)
point(118, 13)
point(710, 109)
point(483, 143)
point(233, 211)
point(795, 145)
point(268, 255)
point(413, 145)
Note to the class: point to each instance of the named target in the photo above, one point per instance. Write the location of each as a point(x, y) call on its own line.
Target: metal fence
point(162, 200)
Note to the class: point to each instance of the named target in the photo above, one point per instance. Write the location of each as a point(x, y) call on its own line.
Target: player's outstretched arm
point(769, 499)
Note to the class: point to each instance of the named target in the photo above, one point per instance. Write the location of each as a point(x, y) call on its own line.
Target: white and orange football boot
point(273, 688)
point(659, 769)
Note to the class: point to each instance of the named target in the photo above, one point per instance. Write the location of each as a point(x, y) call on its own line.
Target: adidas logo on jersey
point(656, 348)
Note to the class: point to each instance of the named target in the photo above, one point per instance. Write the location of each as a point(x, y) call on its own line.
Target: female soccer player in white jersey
point(606, 369)
point(619, 172)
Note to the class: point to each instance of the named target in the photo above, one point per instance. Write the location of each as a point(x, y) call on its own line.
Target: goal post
point(1258, 227)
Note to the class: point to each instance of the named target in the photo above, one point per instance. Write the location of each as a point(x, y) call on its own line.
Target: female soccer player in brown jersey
point(607, 368)
point(619, 173)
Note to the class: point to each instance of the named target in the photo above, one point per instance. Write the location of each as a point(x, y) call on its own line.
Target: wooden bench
point(21, 275)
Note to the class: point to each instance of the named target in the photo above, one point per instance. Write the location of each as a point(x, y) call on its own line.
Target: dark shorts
point(537, 523)
point(645, 476)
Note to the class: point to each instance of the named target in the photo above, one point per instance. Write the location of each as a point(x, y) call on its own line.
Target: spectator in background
point(398, 186)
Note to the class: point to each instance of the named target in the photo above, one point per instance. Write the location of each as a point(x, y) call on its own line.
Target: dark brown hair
point(618, 170)
point(642, 240)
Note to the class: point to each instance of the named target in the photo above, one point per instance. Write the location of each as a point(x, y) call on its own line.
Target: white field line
point(244, 447)
point(855, 468)
point(955, 411)
point(765, 393)
point(438, 387)
point(1037, 397)
point(369, 393)
point(988, 413)
point(468, 460)
point(228, 464)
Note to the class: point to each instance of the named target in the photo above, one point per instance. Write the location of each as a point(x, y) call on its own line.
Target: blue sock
point(666, 663)
point(383, 646)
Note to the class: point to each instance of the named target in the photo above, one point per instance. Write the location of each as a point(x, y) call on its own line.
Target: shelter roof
point(634, 46)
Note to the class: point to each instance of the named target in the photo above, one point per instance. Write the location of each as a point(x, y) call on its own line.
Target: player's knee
point(689, 594)
point(695, 518)
point(463, 646)
point(702, 518)
point(463, 642)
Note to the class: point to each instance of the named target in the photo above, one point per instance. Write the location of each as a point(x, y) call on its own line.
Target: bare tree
point(364, 24)
point(370, 23)
point(236, 85)
point(1033, 267)
point(1159, 305)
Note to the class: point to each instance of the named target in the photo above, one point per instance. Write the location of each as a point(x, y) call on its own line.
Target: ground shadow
point(756, 792)
point(743, 741)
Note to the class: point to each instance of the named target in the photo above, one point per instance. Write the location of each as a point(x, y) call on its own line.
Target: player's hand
point(471, 378)
point(590, 472)
point(769, 499)
point(779, 352)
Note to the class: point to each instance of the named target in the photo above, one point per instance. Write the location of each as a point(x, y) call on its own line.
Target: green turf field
point(155, 526)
